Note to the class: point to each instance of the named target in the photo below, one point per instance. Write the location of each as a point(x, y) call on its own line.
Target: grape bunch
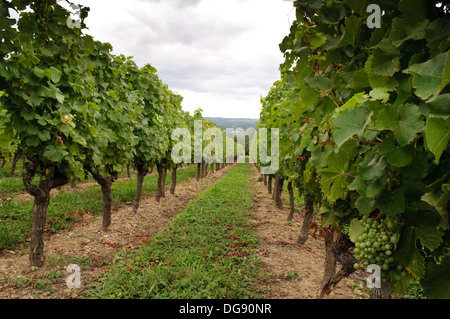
point(376, 245)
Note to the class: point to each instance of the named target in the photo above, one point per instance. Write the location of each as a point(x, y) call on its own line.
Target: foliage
point(364, 119)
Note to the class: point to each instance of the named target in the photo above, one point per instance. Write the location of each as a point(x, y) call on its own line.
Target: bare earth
point(295, 271)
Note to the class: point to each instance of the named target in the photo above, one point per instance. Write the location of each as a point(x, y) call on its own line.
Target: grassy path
point(220, 238)
point(208, 251)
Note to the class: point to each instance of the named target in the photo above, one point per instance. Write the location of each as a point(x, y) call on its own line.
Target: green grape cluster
point(377, 244)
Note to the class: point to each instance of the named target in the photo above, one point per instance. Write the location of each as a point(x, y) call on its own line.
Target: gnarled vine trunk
point(291, 201)
point(330, 260)
point(279, 191)
point(274, 193)
point(39, 218)
point(174, 179)
point(198, 171)
point(17, 156)
point(41, 194)
point(142, 171)
point(105, 183)
point(269, 184)
point(163, 181)
point(342, 254)
point(159, 191)
point(309, 214)
point(381, 293)
point(203, 169)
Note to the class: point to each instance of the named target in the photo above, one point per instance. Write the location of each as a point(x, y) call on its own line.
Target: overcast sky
point(220, 55)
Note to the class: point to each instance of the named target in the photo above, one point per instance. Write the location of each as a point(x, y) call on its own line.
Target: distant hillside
point(225, 123)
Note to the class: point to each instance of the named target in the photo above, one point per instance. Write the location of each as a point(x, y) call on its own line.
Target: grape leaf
point(407, 253)
point(404, 121)
point(373, 166)
point(386, 59)
point(416, 264)
point(55, 74)
point(403, 30)
point(360, 79)
point(32, 141)
point(367, 188)
point(308, 96)
point(351, 32)
point(379, 94)
point(350, 122)
point(54, 153)
point(396, 156)
point(392, 203)
point(355, 230)
point(319, 83)
point(413, 9)
point(359, 6)
point(365, 205)
point(40, 73)
point(5, 72)
point(425, 220)
point(385, 83)
point(334, 180)
point(44, 135)
point(439, 201)
point(427, 76)
point(319, 155)
point(437, 135)
point(318, 39)
point(440, 106)
point(446, 73)
point(35, 100)
point(436, 282)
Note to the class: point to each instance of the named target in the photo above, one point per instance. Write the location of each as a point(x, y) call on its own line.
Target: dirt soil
point(295, 272)
point(86, 245)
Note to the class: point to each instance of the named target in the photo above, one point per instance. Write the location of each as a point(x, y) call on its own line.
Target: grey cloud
point(210, 53)
point(176, 3)
point(190, 30)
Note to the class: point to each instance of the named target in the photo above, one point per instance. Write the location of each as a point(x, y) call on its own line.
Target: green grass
point(11, 186)
point(6, 170)
point(15, 216)
point(206, 252)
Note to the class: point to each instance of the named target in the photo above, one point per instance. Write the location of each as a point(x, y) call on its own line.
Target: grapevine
point(71, 108)
point(364, 121)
